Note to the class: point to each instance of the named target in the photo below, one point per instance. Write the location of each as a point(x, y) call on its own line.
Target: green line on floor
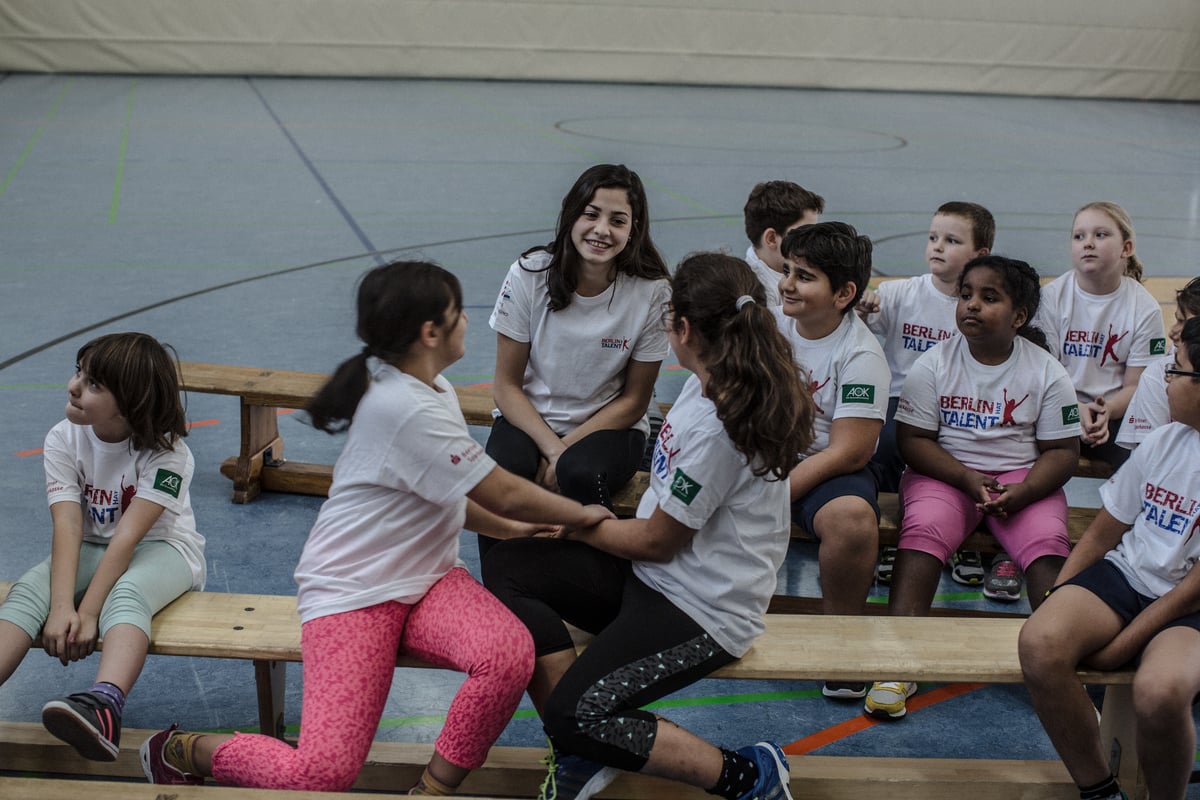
point(116, 195)
point(36, 135)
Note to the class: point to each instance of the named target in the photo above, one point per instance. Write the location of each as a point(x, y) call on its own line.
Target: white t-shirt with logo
point(990, 417)
point(1157, 492)
point(768, 277)
point(1148, 407)
point(578, 355)
point(104, 477)
point(390, 528)
point(913, 316)
point(1097, 336)
point(846, 371)
point(724, 577)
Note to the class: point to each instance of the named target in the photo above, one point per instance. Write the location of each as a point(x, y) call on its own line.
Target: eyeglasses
point(1183, 372)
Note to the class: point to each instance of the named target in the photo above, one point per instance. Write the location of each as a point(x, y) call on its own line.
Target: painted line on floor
point(312, 168)
point(862, 722)
point(116, 195)
point(33, 141)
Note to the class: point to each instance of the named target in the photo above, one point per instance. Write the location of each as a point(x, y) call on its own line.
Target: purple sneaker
point(154, 762)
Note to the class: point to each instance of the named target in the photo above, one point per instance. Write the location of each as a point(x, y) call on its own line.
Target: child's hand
point(547, 474)
point(980, 486)
point(83, 643)
point(868, 304)
point(595, 514)
point(1012, 497)
point(1094, 421)
point(62, 625)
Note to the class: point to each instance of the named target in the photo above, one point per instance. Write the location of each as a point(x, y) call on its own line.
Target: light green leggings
point(157, 574)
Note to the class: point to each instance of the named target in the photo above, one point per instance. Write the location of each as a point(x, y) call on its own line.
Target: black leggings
point(588, 471)
point(644, 649)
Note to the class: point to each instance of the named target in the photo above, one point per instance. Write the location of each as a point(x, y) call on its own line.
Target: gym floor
point(231, 218)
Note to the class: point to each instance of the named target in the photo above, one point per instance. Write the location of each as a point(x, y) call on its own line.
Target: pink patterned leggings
point(349, 660)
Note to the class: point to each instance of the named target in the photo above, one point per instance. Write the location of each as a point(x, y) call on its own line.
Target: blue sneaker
point(573, 778)
point(772, 772)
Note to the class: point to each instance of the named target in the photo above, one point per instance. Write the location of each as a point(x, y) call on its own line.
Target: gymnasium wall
point(1078, 48)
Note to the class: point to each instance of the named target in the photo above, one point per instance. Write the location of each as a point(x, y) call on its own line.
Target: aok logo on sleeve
point(168, 482)
point(858, 393)
point(1070, 415)
point(1158, 347)
point(684, 487)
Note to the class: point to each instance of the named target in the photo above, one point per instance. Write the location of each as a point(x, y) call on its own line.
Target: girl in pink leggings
point(988, 424)
point(380, 573)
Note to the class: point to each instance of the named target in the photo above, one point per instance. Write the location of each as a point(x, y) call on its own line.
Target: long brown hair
point(639, 259)
point(394, 301)
point(140, 373)
point(752, 377)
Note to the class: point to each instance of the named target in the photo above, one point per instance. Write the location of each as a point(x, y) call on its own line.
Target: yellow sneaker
point(887, 698)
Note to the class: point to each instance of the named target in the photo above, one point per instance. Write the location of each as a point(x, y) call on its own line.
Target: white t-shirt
point(846, 371)
point(768, 277)
point(1097, 336)
point(578, 355)
point(104, 477)
point(724, 577)
point(1157, 491)
point(913, 316)
point(990, 417)
point(1148, 407)
point(391, 525)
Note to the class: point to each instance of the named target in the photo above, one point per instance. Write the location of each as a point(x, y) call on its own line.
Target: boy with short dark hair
point(833, 489)
point(1130, 590)
point(773, 209)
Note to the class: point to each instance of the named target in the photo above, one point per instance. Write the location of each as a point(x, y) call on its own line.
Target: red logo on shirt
point(1009, 407)
point(1110, 345)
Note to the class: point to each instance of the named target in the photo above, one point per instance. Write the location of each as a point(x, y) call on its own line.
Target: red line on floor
point(24, 453)
point(200, 423)
point(861, 723)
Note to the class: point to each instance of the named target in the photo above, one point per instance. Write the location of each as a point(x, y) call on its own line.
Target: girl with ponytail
point(681, 589)
point(380, 575)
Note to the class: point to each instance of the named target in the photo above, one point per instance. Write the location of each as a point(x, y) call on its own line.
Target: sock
point(1106, 788)
point(739, 776)
point(180, 752)
point(112, 693)
point(429, 785)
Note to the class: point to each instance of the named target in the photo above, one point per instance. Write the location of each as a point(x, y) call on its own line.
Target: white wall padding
point(1077, 48)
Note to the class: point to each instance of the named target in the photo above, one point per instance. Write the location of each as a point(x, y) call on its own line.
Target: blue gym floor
point(231, 217)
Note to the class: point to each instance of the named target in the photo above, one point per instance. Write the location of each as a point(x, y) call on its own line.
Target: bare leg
point(1162, 701)
point(683, 756)
point(849, 534)
point(123, 656)
point(14, 645)
point(1040, 577)
point(1071, 624)
point(914, 583)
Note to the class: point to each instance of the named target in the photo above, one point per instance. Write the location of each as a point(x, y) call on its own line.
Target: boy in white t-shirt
point(773, 209)
point(1148, 407)
point(911, 316)
point(834, 491)
point(1129, 590)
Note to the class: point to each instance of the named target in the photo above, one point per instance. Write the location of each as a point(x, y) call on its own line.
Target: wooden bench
point(260, 466)
point(265, 630)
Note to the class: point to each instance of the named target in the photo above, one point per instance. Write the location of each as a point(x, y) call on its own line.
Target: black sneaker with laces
point(87, 722)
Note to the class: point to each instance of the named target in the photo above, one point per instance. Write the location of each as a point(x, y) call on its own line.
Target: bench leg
point(271, 679)
point(261, 445)
point(1118, 728)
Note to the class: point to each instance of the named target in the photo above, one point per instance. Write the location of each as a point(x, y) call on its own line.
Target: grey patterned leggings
point(645, 647)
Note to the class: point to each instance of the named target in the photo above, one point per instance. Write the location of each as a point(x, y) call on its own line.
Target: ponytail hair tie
point(743, 300)
point(366, 351)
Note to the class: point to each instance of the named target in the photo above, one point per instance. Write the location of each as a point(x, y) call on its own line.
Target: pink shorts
point(938, 518)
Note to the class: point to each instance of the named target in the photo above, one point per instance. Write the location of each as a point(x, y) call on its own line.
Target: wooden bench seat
point(260, 465)
point(518, 771)
point(265, 630)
